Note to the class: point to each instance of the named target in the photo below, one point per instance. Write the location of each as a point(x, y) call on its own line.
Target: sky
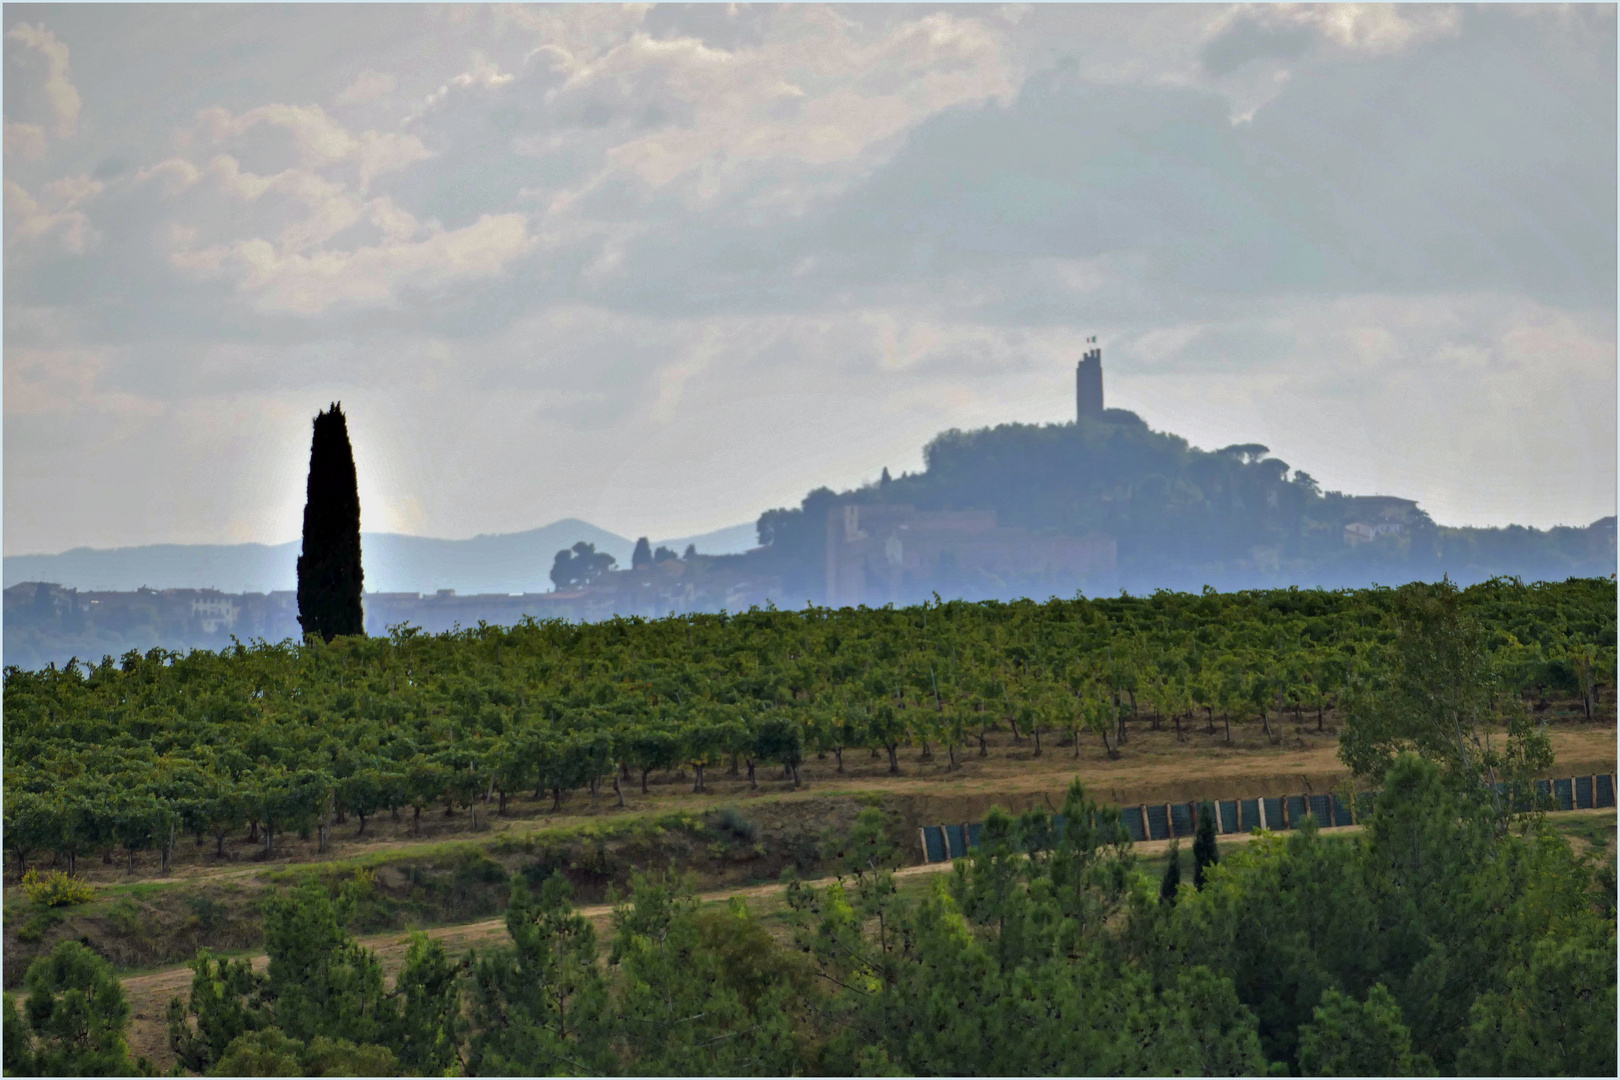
point(663, 268)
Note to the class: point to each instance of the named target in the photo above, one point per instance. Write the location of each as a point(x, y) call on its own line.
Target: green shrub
point(728, 819)
point(476, 868)
point(38, 923)
point(56, 889)
point(127, 917)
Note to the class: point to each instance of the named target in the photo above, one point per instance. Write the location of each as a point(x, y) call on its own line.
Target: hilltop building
point(898, 554)
point(1379, 515)
point(1088, 388)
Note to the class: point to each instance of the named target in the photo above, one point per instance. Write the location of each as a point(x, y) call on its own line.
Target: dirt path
point(149, 993)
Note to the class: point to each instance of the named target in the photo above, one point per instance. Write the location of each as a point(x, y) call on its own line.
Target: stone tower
point(1088, 392)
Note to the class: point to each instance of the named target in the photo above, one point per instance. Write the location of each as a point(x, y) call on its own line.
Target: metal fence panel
point(1322, 810)
point(1182, 821)
point(1229, 816)
point(1251, 815)
point(1583, 793)
point(1564, 794)
point(934, 842)
point(1131, 818)
point(1341, 812)
point(1158, 822)
point(1297, 809)
point(1274, 813)
point(1605, 790)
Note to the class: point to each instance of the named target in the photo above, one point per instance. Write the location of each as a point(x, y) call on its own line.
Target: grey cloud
point(938, 273)
point(1249, 39)
point(1483, 161)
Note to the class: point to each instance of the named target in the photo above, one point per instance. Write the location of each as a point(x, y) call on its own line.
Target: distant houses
point(1379, 515)
point(879, 554)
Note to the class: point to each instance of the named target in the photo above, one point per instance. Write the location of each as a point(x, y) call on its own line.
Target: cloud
point(60, 92)
point(1249, 32)
point(483, 73)
point(711, 257)
point(1469, 403)
point(26, 141)
point(291, 282)
point(319, 140)
point(368, 86)
point(54, 215)
point(812, 94)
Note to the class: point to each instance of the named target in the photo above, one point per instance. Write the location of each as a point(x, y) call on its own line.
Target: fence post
point(922, 838)
point(1260, 803)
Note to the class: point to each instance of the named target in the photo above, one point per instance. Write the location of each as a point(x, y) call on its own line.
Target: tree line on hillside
point(1183, 517)
point(131, 757)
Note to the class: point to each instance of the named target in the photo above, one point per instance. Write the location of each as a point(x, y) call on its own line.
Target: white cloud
point(1368, 29)
point(54, 215)
point(26, 141)
point(785, 246)
point(793, 117)
point(1489, 409)
point(60, 92)
point(320, 141)
point(483, 73)
point(291, 282)
point(367, 86)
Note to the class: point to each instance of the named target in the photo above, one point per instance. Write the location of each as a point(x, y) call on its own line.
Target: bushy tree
point(428, 1041)
point(73, 1019)
point(680, 1008)
point(228, 999)
point(579, 566)
point(1347, 1037)
point(1441, 696)
point(268, 1052)
point(1555, 1012)
point(539, 1007)
point(780, 739)
point(329, 574)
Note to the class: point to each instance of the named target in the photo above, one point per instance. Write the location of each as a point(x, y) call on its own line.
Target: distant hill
point(394, 562)
point(1183, 518)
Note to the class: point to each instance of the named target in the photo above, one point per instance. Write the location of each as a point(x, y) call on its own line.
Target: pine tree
point(1205, 853)
point(1170, 884)
point(329, 575)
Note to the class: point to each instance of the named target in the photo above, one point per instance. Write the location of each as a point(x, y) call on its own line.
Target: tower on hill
point(1088, 392)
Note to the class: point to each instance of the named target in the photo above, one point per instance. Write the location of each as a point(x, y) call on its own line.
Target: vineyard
point(129, 756)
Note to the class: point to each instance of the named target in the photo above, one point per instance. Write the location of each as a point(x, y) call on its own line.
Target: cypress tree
point(1205, 852)
point(642, 556)
point(329, 575)
point(1171, 882)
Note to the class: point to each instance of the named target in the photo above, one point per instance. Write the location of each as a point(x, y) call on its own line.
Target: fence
point(1169, 821)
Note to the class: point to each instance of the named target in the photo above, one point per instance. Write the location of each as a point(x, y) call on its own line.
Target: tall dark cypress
point(1170, 884)
point(1205, 853)
point(329, 576)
